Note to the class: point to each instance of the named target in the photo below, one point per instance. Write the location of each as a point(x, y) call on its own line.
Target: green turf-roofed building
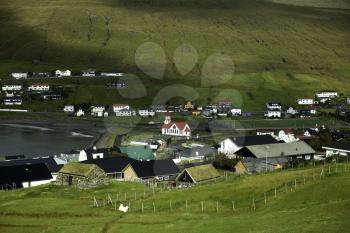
point(138, 152)
point(198, 174)
point(81, 175)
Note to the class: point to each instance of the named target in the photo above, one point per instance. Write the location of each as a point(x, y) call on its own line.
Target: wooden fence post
point(186, 204)
point(265, 198)
point(233, 205)
point(202, 205)
point(110, 199)
point(217, 206)
point(304, 180)
point(170, 205)
point(295, 183)
point(95, 202)
point(275, 192)
point(253, 204)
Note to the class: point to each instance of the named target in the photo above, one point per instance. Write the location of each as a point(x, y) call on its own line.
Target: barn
point(198, 174)
point(81, 175)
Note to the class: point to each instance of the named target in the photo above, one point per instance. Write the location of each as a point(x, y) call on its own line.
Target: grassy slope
point(258, 35)
point(316, 207)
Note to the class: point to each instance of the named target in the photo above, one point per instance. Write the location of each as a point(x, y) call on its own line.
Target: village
point(171, 149)
point(177, 156)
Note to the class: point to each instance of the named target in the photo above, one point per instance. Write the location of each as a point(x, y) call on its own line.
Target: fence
point(140, 203)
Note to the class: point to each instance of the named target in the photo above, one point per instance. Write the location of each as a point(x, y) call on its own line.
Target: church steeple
point(167, 119)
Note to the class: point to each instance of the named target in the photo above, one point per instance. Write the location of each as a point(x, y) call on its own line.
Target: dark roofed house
point(279, 150)
point(50, 162)
point(150, 170)
point(24, 175)
point(198, 174)
point(338, 148)
point(230, 145)
point(112, 166)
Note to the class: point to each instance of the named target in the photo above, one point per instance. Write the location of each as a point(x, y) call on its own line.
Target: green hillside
point(318, 205)
point(280, 49)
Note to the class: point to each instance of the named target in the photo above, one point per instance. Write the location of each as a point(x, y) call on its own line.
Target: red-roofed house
point(175, 128)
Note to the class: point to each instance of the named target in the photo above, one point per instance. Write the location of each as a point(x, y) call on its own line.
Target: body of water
point(33, 141)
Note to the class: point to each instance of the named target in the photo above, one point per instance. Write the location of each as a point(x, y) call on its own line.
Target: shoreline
point(96, 130)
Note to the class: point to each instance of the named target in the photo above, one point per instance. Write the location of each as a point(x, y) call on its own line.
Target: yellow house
point(189, 105)
point(162, 170)
point(129, 173)
point(240, 168)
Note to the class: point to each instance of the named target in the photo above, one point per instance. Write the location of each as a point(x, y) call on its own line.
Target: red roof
point(179, 124)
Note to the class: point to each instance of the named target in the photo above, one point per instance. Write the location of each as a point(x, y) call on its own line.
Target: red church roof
point(179, 124)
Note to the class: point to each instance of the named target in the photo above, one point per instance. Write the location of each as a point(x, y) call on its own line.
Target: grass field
point(317, 206)
point(281, 49)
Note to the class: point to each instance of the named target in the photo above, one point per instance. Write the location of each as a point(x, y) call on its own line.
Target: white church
point(175, 128)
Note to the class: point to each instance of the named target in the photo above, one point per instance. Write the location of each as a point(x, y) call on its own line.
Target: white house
point(313, 111)
point(265, 132)
point(342, 149)
point(112, 74)
point(13, 101)
point(93, 153)
point(273, 114)
point(80, 113)
point(9, 94)
point(97, 110)
point(236, 112)
point(11, 87)
point(146, 112)
point(19, 75)
point(63, 73)
point(125, 112)
point(327, 94)
point(231, 145)
point(118, 107)
point(292, 111)
point(286, 136)
point(175, 128)
point(88, 73)
point(305, 101)
point(310, 133)
point(68, 108)
point(39, 87)
point(274, 110)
